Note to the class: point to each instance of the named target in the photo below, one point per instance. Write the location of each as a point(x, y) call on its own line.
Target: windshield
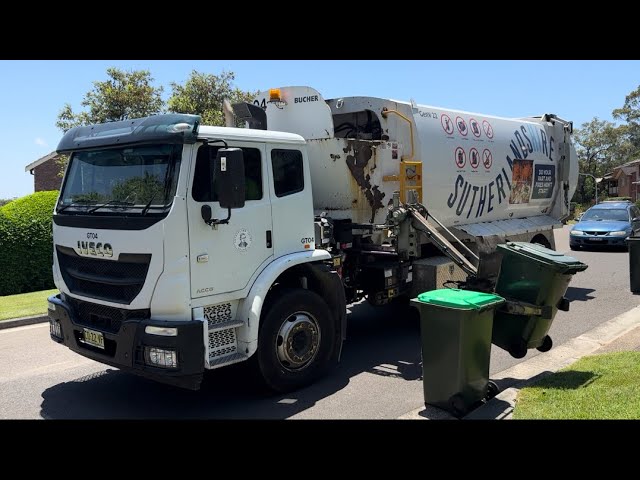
point(116, 179)
point(606, 214)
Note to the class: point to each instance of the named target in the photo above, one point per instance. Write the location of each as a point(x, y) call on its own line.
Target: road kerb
point(20, 322)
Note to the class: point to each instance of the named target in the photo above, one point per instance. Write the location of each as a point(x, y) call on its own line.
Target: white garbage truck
point(181, 248)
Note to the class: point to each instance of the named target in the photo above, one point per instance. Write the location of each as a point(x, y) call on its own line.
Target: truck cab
point(161, 275)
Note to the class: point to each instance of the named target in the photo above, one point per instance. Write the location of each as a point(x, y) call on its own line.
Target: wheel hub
point(298, 341)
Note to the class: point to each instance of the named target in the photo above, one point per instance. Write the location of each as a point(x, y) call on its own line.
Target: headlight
point(619, 233)
point(577, 232)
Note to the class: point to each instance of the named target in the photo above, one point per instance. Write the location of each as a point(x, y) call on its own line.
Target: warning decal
point(460, 157)
point(447, 124)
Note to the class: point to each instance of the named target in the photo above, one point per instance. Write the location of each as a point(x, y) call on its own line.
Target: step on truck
point(181, 248)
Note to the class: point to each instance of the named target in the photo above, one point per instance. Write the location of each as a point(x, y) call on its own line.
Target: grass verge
point(24, 304)
point(603, 386)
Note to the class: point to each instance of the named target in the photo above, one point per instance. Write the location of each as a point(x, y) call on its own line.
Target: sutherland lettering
point(527, 140)
point(465, 195)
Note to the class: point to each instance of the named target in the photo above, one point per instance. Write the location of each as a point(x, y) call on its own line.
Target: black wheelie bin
point(533, 280)
point(634, 263)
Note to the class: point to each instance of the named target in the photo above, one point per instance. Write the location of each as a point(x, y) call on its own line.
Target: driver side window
point(202, 189)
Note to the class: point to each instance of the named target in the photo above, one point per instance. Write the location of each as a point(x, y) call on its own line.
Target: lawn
point(596, 387)
point(24, 304)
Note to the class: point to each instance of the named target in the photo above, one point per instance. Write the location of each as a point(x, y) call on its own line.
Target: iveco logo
point(97, 249)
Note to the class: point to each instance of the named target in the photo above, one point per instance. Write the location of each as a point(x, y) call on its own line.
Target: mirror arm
point(215, 221)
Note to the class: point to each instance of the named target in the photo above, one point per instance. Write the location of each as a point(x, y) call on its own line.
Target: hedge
point(26, 243)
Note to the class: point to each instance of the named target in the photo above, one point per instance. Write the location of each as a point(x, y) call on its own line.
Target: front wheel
point(297, 340)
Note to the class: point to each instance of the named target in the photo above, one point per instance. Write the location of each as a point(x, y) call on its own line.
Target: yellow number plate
point(93, 338)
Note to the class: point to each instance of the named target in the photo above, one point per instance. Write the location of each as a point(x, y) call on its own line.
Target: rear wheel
point(297, 338)
point(541, 240)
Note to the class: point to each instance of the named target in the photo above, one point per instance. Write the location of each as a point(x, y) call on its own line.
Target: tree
point(203, 94)
point(122, 96)
point(600, 146)
point(630, 112)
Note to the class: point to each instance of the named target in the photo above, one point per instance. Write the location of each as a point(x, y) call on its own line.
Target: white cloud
point(41, 142)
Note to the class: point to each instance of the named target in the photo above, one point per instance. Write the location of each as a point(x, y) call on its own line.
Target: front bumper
point(124, 349)
point(597, 240)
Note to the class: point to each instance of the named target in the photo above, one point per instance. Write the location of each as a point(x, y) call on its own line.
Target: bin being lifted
point(533, 279)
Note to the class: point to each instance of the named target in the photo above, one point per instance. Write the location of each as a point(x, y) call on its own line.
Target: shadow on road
point(380, 341)
point(580, 294)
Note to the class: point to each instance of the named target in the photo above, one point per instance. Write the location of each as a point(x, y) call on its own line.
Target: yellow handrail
point(386, 112)
point(406, 162)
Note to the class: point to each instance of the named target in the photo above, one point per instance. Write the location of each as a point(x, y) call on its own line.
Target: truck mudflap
point(129, 348)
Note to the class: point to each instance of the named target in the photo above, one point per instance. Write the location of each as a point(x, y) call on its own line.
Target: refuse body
point(533, 280)
point(634, 263)
point(456, 347)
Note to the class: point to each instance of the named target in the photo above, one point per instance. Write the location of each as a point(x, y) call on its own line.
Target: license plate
point(93, 338)
point(596, 239)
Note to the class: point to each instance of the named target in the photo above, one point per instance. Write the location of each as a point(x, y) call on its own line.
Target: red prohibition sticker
point(447, 124)
point(474, 158)
point(487, 158)
point(460, 157)
point(488, 129)
point(475, 127)
point(462, 126)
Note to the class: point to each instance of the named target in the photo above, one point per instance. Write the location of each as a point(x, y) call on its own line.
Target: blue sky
point(33, 92)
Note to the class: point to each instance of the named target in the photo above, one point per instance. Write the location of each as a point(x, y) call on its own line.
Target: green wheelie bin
point(456, 347)
point(533, 280)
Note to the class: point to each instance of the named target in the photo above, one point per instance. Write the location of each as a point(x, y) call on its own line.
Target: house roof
point(40, 161)
point(628, 164)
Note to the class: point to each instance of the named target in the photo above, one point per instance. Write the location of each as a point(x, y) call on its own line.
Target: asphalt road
point(379, 376)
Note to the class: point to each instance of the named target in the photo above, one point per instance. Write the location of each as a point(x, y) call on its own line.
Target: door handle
point(269, 243)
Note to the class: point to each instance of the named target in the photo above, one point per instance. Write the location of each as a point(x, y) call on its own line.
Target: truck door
point(224, 259)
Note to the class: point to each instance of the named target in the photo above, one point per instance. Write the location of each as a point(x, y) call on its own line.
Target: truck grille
point(103, 317)
point(114, 281)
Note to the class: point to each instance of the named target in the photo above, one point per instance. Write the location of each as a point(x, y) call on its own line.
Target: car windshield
point(118, 179)
point(606, 214)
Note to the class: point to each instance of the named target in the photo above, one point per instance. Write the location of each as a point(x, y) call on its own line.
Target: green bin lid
point(540, 254)
point(460, 299)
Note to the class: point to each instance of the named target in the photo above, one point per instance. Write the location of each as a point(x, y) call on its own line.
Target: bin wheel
point(547, 343)
point(518, 351)
point(492, 389)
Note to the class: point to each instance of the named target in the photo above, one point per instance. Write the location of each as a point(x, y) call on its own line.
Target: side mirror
point(205, 211)
point(636, 219)
point(228, 173)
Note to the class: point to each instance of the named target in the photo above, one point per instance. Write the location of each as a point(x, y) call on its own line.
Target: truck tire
point(296, 341)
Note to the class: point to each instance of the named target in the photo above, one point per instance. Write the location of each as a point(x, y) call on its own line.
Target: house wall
point(623, 186)
point(45, 176)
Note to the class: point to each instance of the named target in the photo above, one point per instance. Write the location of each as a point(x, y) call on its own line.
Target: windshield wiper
point(80, 203)
point(148, 205)
point(118, 203)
